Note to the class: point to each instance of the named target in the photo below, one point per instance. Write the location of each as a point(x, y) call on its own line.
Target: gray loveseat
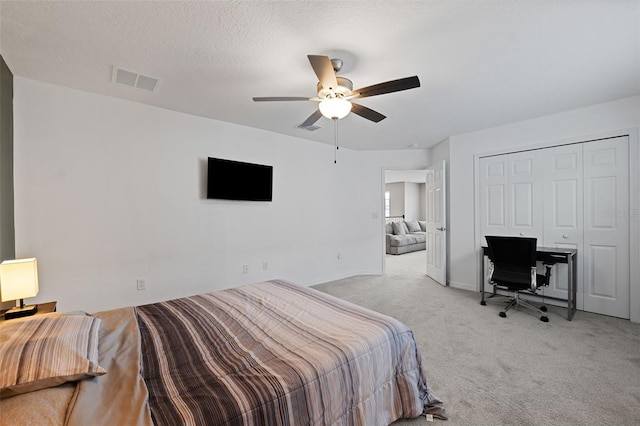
point(405, 236)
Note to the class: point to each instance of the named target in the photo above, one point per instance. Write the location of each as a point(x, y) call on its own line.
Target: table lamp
point(18, 280)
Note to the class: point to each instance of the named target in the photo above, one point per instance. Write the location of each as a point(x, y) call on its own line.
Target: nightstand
point(43, 308)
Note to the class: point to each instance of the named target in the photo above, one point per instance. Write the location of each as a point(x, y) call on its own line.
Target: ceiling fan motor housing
point(345, 86)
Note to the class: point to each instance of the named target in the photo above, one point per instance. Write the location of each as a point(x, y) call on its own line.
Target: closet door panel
point(494, 196)
point(606, 228)
point(525, 195)
point(563, 217)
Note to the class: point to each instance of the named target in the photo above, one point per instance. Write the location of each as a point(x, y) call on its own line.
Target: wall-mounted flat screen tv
point(235, 180)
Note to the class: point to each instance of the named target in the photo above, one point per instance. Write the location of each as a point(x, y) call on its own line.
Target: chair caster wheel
point(503, 314)
point(543, 308)
point(483, 303)
point(544, 319)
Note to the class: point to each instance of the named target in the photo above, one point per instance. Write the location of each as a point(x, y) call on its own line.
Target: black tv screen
point(235, 180)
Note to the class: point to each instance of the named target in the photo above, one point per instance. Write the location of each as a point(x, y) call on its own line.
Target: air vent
point(310, 128)
point(133, 79)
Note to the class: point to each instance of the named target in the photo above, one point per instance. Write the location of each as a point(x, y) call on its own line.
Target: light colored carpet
point(517, 370)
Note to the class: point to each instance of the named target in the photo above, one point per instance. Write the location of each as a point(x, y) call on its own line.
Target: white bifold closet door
point(563, 225)
point(525, 195)
point(494, 196)
point(511, 195)
point(606, 227)
point(569, 196)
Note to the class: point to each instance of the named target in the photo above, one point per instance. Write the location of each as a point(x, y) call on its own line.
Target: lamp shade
point(18, 279)
point(335, 108)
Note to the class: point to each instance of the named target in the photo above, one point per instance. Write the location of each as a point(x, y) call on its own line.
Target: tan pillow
point(46, 351)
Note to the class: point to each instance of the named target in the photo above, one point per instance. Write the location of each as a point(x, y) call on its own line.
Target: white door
point(436, 223)
point(606, 227)
point(563, 212)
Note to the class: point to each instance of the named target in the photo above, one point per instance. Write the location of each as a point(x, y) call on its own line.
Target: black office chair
point(513, 266)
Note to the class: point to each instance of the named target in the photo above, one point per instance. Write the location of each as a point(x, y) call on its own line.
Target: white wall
point(109, 191)
point(571, 126)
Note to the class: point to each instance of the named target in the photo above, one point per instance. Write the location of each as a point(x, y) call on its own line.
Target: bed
point(272, 353)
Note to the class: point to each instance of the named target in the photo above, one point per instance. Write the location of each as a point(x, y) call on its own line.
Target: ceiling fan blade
point(324, 70)
point(280, 98)
point(388, 87)
point(312, 119)
point(367, 113)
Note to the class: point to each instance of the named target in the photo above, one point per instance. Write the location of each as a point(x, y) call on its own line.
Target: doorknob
point(440, 229)
point(565, 236)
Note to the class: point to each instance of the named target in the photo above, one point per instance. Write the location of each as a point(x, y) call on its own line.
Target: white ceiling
point(481, 63)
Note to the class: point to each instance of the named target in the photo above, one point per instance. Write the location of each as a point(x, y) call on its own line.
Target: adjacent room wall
point(414, 201)
point(396, 198)
point(109, 191)
point(408, 199)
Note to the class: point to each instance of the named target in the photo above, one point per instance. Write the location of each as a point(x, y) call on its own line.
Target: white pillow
point(399, 228)
point(413, 226)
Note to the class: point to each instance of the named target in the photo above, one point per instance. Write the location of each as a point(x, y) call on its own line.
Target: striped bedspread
point(276, 353)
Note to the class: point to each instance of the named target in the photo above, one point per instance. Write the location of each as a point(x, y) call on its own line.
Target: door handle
point(565, 236)
point(440, 229)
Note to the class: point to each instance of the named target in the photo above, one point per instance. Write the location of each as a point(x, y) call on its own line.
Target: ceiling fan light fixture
point(335, 108)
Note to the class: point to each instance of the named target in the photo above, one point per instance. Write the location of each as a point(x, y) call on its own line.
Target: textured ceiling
point(481, 63)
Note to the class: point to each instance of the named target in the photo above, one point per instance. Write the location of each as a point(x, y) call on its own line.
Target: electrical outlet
point(339, 256)
point(245, 269)
point(265, 266)
point(141, 284)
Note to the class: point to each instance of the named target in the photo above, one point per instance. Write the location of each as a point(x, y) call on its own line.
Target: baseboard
point(339, 277)
point(462, 286)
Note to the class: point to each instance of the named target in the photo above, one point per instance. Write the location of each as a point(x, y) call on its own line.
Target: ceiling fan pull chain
point(335, 140)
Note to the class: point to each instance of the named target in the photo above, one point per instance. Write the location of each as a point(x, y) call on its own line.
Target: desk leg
point(482, 301)
point(572, 272)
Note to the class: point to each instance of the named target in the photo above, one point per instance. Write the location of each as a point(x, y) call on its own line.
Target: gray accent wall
point(7, 229)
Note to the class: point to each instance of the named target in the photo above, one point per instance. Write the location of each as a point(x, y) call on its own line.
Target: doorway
point(405, 200)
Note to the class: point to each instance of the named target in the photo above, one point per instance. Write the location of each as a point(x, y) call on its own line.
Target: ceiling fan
point(335, 93)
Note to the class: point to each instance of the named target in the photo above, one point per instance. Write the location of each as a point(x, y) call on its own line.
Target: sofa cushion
point(421, 237)
point(402, 240)
point(413, 226)
point(399, 228)
point(423, 225)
